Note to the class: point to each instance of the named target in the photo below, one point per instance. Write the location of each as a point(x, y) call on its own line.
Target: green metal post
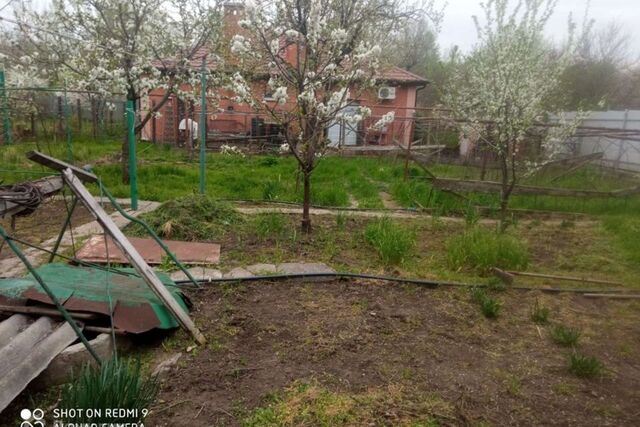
point(133, 170)
point(50, 293)
point(203, 122)
point(6, 119)
point(66, 125)
point(54, 252)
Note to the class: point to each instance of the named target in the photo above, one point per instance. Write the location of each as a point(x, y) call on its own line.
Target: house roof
point(399, 75)
point(393, 74)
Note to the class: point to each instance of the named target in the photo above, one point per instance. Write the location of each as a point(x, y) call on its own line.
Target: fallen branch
point(507, 277)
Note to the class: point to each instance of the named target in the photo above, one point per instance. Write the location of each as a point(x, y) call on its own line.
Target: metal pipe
point(67, 221)
point(419, 282)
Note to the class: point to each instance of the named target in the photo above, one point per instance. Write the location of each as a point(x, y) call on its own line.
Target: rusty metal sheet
point(187, 252)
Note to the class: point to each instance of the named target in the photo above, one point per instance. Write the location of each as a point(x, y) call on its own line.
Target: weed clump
point(489, 306)
point(191, 218)
point(585, 366)
point(565, 336)
point(392, 241)
point(482, 249)
point(118, 383)
point(540, 314)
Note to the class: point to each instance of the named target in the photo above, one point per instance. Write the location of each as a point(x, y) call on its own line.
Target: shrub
point(191, 218)
point(585, 366)
point(482, 249)
point(118, 383)
point(392, 241)
point(565, 336)
point(540, 314)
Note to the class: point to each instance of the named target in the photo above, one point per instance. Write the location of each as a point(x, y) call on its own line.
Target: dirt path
point(387, 201)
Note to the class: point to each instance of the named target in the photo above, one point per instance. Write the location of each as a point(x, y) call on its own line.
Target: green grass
point(585, 366)
point(565, 336)
point(119, 383)
point(481, 249)
point(270, 226)
point(393, 242)
point(166, 173)
point(626, 232)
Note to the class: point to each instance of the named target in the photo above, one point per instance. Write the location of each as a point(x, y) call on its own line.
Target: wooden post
point(33, 125)
point(130, 252)
point(60, 117)
point(94, 118)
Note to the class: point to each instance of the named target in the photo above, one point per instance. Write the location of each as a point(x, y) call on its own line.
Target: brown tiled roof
point(393, 75)
point(402, 76)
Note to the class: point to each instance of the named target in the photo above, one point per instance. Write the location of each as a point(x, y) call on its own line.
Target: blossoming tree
point(120, 46)
point(318, 56)
point(505, 87)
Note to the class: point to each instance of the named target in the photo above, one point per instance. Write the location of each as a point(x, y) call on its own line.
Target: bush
point(482, 249)
point(191, 218)
point(392, 242)
point(565, 336)
point(118, 383)
point(585, 366)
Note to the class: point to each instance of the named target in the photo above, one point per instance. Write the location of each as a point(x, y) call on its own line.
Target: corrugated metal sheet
point(136, 308)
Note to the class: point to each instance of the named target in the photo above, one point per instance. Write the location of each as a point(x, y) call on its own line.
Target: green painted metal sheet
point(88, 289)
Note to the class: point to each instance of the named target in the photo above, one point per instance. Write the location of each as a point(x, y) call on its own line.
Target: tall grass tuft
point(392, 241)
point(482, 249)
point(270, 226)
point(119, 383)
point(540, 314)
point(585, 366)
point(564, 335)
point(489, 306)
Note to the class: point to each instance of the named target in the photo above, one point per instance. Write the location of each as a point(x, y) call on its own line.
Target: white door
point(342, 132)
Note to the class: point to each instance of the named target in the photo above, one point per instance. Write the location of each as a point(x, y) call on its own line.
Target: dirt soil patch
point(45, 223)
point(408, 343)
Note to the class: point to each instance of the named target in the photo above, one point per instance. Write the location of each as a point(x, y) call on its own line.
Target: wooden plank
point(48, 187)
point(471, 186)
point(138, 263)
point(568, 278)
point(613, 296)
point(22, 345)
point(60, 166)
point(37, 360)
point(10, 327)
point(195, 253)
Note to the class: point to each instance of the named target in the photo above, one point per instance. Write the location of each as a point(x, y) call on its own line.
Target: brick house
point(238, 123)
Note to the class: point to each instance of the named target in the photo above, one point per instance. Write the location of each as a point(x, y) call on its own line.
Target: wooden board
point(136, 260)
point(95, 251)
point(60, 166)
point(35, 361)
point(48, 187)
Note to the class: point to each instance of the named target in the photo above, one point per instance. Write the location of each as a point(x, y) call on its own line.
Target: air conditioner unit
point(387, 92)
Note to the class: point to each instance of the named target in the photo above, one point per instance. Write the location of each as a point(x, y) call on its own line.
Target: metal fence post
point(133, 171)
point(6, 119)
point(203, 122)
point(67, 128)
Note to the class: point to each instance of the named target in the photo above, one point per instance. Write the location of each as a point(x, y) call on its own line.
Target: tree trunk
point(306, 203)
point(504, 193)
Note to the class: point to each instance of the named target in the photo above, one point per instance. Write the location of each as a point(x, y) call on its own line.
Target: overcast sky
point(458, 28)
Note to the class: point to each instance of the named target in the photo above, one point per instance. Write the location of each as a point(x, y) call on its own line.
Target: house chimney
point(233, 11)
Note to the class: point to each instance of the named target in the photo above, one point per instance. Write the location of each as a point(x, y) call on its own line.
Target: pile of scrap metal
point(70, 300)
